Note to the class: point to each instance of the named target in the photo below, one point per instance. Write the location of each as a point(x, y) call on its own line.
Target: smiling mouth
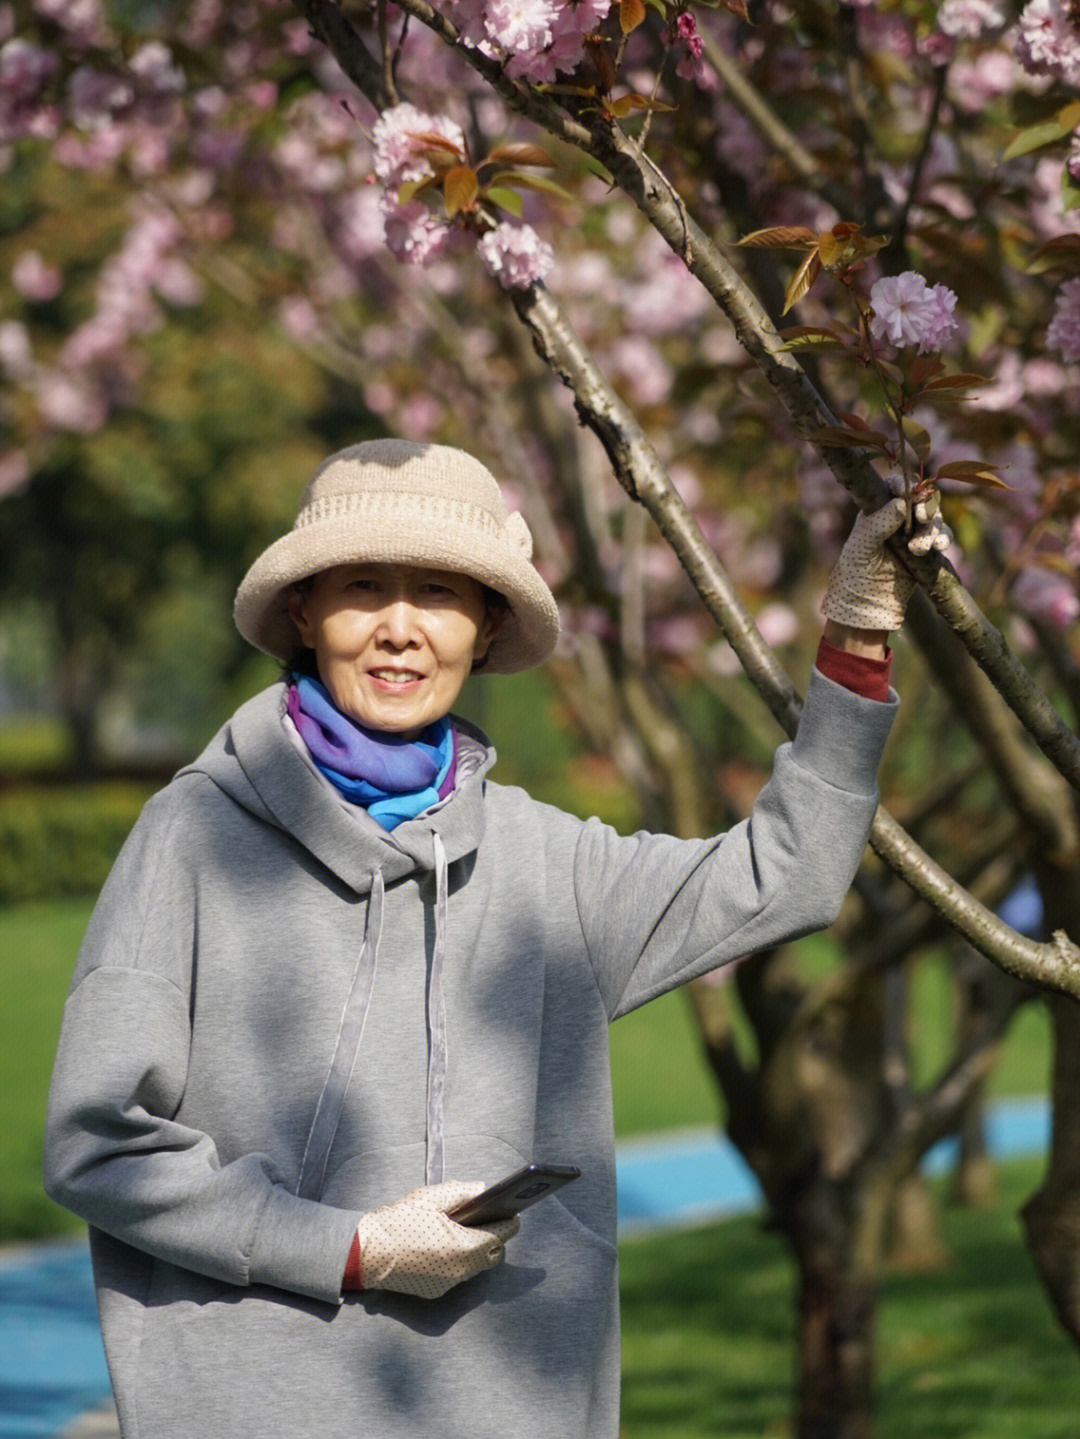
point(396, 677)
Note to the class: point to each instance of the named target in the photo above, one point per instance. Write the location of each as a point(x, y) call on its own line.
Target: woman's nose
point(398, 623)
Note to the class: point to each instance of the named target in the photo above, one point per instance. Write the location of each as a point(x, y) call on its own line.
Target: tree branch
point(641, 473)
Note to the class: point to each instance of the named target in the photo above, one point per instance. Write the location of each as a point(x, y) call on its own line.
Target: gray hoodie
point(283, 1016)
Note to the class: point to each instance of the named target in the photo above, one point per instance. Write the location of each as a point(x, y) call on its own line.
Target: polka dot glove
point(412, 1247)
point(869, 588)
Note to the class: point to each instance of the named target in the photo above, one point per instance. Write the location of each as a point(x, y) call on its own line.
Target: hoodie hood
point(253, 761)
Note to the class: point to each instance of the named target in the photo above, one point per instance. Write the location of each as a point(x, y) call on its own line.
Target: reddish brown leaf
point(518, 154)
point(626, 104)
point(781, 237)
point(959, 381)
point(1060, 253)
point(856, 422)
point(925, 367)
point(460, 189)
point(842, 438)
point(737, 7)
point(631, 15)
point(972, 472)
point(802, 281)
point(432, 140)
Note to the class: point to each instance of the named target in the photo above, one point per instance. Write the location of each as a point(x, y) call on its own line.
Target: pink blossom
point(34, 278)
point(907, 311)
point(539, 38)
point(1063, 333)
point(520, 26)
point(14, 472)
point(96, 98)
point(967, 19)
point(413, 234)
point(1049, 40)
point(83, 20)
point(397, 157)
point(778, 624)
point(16, 352)
point(299, 317)
point(24, 70)
point(515, 254)
point(648, 376)
point(70, 402)
point(1073, 161)
point(976, 80)
point(1046, 595)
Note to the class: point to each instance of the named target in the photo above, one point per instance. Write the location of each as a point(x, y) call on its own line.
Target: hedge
point(61, 840)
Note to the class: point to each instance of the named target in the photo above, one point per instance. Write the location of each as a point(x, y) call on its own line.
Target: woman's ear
point(297, 602)
point(485, 636)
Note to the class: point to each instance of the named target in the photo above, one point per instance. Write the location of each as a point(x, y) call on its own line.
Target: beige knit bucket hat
point(396, 502)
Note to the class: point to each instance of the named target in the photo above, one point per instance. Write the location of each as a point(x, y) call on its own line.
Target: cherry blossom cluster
point(415, 234)
point(908, 311)
point(968, 19)
point(1048, 42)
point(1063, 334)
point(539, 39)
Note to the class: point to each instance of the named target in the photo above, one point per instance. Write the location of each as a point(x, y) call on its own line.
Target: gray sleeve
point(656, 911)
point(114, 1151)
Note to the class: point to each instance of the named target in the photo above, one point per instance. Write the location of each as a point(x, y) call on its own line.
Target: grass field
point(971, 1352)
point(659, 1077)
point(968, 1353)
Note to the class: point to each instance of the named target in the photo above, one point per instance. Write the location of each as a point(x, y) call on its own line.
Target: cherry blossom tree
point(726, 265)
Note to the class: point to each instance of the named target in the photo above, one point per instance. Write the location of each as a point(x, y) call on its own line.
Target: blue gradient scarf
point(394, 779)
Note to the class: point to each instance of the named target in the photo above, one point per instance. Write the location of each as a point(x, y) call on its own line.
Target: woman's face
point(394, 643)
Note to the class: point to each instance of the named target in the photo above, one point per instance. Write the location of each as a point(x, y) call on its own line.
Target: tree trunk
point(837, 1316)
point(918, 1245)
point(1052, 1215)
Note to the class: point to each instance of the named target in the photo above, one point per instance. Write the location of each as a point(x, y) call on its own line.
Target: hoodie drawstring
point(436, 1074)
point(354, 1014)
point(350, 1033)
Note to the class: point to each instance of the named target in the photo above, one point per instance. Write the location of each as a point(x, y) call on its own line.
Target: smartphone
point(514, 1193)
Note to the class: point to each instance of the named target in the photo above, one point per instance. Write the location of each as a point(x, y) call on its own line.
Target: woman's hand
point(411, 1246)
point(869, 587)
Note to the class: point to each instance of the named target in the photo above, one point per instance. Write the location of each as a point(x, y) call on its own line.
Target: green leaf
point(505, 198)
point(918, 437)
point(521, 181)
point(1035, 137)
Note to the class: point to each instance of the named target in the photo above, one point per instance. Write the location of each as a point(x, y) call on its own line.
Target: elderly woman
point(339, 978)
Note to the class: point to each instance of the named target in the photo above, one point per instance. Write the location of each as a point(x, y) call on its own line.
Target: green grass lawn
point(660, 1079)
point(971, 1352)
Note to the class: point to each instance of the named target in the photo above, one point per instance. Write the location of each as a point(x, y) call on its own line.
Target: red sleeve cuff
point(354, 1267)
point(863, 676)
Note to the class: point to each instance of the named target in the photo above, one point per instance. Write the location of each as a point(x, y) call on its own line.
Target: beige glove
point(412, 1247)
point(869, 587)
